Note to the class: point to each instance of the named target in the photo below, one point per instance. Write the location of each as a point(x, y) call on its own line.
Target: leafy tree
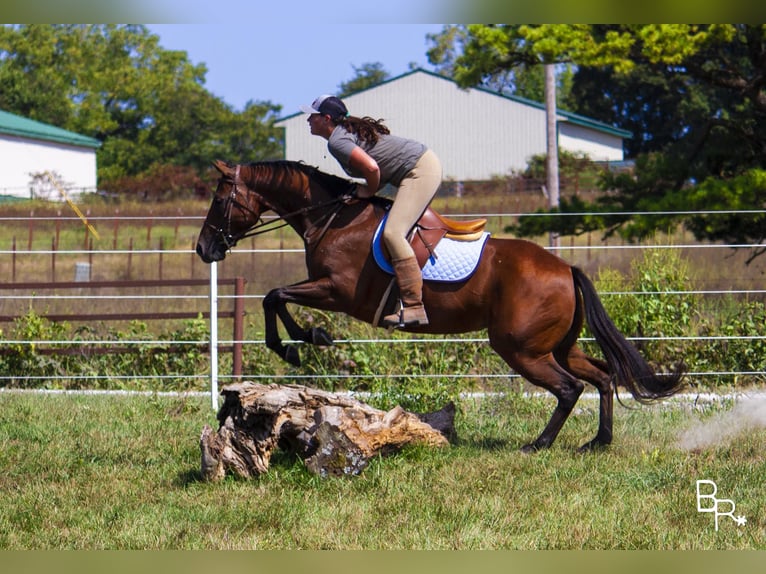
point(147, 105)
point(653, 105)
point(32, 81)
point(365, 76)
point(693, 95)
point(524, 78)
point(251, 135)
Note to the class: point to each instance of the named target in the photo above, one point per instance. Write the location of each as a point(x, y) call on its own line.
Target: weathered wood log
point(333, 433)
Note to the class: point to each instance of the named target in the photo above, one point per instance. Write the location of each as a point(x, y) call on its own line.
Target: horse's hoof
point(320, 337)
point(292, 356)
point(529, 449)
point(592, 446)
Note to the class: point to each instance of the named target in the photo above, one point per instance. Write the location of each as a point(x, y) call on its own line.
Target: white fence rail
point(215, 298)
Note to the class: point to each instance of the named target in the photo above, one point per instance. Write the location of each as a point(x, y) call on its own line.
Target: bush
point(26, 365)
point(655, 301)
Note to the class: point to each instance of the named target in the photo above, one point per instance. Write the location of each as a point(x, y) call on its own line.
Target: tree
point(694, 95)
point(524, 78)
point(147, 105)
point(366, 76)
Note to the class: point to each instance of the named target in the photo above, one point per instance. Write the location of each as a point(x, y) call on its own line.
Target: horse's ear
point(221, 166)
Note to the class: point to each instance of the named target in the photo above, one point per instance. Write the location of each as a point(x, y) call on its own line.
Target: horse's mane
point(337, 186)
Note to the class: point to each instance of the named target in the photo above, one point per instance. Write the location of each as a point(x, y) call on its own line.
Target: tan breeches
point(413, 196)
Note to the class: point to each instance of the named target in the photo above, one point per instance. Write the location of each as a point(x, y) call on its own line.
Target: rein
point(261, 226)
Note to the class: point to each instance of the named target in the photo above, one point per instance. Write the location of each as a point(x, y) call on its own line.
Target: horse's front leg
point(315, 294)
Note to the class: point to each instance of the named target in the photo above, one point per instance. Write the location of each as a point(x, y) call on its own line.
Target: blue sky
point(290, 63)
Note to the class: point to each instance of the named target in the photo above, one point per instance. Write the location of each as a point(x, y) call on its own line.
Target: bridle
point(225, 233)
point(230, 239)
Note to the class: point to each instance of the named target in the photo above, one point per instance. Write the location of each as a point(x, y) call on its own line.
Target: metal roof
point(562, 114)
point(11, 124)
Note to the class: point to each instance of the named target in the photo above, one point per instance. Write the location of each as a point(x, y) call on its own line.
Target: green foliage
point(478, 50)
point(571, 165)
point(737, 342)
point(744, 192)
point(654, 302)
point(365, 76)
point(45, 362)
point(494, 62)
point(147, 105)
point(25, 359)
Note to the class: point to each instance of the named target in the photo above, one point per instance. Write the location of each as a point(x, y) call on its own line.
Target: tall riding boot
point(410, 281)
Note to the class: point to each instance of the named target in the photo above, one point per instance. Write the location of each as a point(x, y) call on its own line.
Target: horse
point(531, 302)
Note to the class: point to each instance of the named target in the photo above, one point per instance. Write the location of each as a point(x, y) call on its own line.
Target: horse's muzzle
point(211, 253)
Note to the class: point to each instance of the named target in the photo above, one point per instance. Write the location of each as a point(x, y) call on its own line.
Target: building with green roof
point(30, 148)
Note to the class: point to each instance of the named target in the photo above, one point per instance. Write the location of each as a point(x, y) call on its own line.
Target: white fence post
point(214, 335)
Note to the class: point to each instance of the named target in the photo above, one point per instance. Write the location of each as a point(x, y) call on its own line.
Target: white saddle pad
point(452, 260)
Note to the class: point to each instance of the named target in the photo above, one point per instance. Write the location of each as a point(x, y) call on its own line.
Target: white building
point(29, 148)
point(477, 133)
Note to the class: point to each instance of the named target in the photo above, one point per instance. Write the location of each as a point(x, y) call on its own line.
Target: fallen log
point(333, 433)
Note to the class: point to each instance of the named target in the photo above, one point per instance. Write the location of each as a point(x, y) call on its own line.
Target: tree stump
point(333, 433)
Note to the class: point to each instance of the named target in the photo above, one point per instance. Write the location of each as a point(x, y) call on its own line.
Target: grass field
point(106, 472)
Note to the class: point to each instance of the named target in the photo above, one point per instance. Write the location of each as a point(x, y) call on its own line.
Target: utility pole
point(552, 157)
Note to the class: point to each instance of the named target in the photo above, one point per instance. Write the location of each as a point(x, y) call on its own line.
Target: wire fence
point(746, 286)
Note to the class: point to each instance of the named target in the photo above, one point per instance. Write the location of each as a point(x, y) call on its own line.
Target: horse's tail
point(625, 363)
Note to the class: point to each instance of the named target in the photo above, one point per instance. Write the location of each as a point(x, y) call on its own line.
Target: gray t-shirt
point(395, 156)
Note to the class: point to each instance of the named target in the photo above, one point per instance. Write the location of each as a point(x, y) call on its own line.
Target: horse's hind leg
point(545, 372)
point(595, 372)
point(549, 375)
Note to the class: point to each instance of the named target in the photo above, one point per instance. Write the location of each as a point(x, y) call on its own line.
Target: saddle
point(462, 249)
point(432, 227)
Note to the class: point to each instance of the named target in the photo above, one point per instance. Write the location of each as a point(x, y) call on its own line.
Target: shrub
point(25, 364)
point(656, 301)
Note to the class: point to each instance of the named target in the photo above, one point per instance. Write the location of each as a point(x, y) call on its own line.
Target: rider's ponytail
point(366, 128)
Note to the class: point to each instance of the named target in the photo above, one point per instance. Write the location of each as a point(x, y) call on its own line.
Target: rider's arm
point(362, 163)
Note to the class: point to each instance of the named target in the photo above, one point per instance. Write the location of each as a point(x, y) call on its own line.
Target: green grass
point(98, 472)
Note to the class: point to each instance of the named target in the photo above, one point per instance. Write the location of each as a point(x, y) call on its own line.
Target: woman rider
point(366, 149)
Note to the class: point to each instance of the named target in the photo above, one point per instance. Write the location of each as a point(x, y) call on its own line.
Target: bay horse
point(531, 302)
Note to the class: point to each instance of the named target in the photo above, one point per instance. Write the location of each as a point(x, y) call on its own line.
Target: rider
point(365, 148)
